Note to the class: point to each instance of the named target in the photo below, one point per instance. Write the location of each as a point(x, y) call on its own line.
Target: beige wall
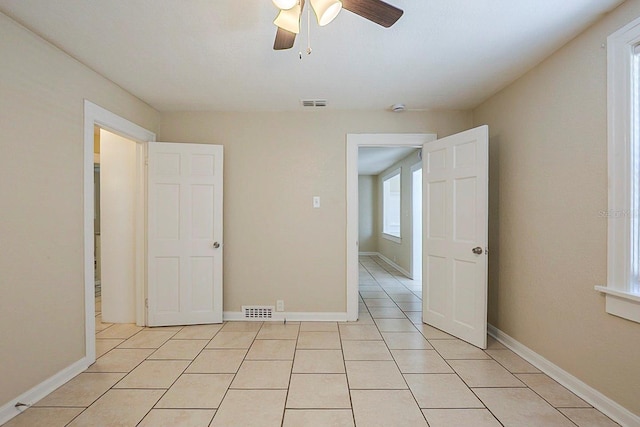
point(400, 253)
point(276, 245)
point(368, 213)
point(548, 182)
point(118, 193)
point(41, 193)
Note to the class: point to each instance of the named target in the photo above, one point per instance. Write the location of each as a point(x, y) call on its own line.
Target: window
point(391, 204)
point(623, 246)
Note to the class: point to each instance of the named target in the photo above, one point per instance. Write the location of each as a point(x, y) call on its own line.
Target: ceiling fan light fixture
point(285, 4)
point(289, 19)
point(326, 10)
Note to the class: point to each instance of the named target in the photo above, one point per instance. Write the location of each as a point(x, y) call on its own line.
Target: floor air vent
point(257, 312)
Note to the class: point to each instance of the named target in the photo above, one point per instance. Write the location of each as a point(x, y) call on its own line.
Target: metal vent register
point(314, 102)
point(257, 311)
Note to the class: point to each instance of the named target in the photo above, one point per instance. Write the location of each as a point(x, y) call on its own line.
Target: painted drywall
point(42, 91)
point(367, 213)
point(399, 252)
point(548, 242)
point(277, 246)
point(118, 173)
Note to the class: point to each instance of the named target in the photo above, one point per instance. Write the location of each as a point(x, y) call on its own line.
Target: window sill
point(622, 304)
point(392, 238)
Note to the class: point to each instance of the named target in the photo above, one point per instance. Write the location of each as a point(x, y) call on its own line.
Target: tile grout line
point(244, 358)
point(398, 367)
point(147, 359)
point(346, 375)
point(293, 361)
point(110, 388)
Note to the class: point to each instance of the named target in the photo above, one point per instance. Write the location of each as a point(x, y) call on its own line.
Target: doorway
point(95, 115)
point(354, 142)
point(455, 240)
point(119, 213)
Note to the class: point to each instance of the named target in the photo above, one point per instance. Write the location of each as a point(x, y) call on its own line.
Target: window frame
point(396, 238)
point(623, 139)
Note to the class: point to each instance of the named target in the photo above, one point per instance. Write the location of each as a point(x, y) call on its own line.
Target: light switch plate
point(316, 201)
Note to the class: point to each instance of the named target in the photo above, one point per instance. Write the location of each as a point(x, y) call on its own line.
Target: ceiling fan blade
point(374, 10)
point(284, 39)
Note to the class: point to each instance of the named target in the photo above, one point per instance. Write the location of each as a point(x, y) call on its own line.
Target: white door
point(455, 227)
point(184, 234)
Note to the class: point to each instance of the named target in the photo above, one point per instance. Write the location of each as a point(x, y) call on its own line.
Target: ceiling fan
point(288, 19)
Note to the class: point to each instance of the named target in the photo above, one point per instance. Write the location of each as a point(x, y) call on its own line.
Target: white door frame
point(96, 115)
point(415, 272)
point(355, 141)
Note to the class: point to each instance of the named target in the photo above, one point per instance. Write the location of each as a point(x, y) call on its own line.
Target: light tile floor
point(387, 369)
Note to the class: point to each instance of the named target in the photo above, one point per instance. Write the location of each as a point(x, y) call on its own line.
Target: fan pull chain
point(308, 31)
point(309, 50)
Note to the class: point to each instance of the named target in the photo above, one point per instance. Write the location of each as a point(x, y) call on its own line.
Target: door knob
point(477, 250)
point(216, 245)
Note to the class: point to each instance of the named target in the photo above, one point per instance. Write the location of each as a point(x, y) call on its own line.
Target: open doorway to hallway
point(455, 207)
point(390, 240)
point(390, 208)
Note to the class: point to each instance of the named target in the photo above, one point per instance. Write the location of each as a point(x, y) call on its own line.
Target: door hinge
point(146, 161)
point(146, 302)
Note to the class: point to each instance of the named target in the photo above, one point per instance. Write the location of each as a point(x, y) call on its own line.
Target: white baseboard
point(598, 400)
point(394, 265)
point(290, 316)
point(32, 396)
point(368, 254)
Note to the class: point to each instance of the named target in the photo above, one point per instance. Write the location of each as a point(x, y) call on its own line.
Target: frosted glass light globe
point(285, 4)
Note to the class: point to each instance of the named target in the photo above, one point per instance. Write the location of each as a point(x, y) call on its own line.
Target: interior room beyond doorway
point(116, 212)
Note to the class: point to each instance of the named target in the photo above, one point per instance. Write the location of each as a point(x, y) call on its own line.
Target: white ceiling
point(374, 160)
point(217, 54)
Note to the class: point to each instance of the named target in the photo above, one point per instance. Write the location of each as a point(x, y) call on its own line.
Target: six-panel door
point(455, 233)
point(184, 234)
